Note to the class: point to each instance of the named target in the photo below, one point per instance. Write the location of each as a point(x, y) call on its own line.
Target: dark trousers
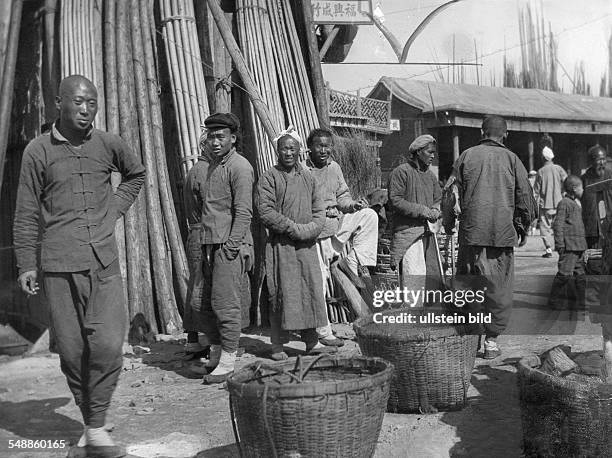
point(568, 288)
point(279, 336)
point(221, 297)
point(492, 268)
point(88, 321)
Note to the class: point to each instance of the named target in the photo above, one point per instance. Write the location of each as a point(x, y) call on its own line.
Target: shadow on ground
point(491, 423)
point(37, 419)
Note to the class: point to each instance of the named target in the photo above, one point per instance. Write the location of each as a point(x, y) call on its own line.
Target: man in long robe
point(292, 210)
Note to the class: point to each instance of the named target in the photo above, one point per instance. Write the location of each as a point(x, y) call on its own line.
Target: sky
point(581, 28)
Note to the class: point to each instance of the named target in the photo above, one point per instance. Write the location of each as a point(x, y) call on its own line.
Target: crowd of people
point(311, 220)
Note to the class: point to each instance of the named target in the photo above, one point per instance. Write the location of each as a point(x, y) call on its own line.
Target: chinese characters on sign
point(341, 12)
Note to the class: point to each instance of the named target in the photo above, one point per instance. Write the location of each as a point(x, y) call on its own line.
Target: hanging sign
point(341, 12)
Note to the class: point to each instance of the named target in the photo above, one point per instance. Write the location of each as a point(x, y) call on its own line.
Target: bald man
point(65, 188)
point(495, 198)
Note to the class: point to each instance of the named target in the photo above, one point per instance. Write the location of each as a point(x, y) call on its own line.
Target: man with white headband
point(346, 219)
point(290, 206)
point(549, 191)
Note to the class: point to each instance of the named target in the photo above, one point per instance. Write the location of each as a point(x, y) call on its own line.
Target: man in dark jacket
point(65, 188)
point(226, 198)
point(494, 191)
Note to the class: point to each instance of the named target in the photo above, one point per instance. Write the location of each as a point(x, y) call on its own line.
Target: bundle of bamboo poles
point(186, 75)
point(271, 47)
point(151, 252)
point(81, 46)
point(10, 24)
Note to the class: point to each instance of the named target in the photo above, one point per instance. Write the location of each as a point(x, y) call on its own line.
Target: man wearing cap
point(414, 196)
point(549, 192)
point(345, 219)
point(495, 195)
point(225, 236)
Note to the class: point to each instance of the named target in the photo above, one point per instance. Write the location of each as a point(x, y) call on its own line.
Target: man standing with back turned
point(65, 186)
point(494, 191)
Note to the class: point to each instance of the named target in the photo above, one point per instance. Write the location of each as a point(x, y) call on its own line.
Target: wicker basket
point(433, 363)
point(563, 417)
point(310, 407)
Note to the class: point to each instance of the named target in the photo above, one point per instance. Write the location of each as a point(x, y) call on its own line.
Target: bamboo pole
point(185, 73)
point(179, 257)
point(6, 93)
point(136, 232)
point(160, 266)
point(51, 84)
point(177, 84)
point(96, 60)
point(112, 125)
point(318, 82)
point(254, 95)
point(5, 26)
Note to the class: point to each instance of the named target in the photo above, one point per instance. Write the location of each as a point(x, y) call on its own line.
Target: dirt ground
point(161, 409)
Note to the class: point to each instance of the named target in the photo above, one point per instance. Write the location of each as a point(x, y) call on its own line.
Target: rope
point(265, 419)
point(163, 22)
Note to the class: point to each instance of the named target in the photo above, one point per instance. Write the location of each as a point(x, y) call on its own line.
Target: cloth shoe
point(547, 253)
point(215, 355)
point(491, 350)
point(224, 369)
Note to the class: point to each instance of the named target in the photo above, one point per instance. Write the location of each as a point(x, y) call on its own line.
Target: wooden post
point(232, 47)
point(8, 79)
point(328, 41)
point(456, 151)
point(318, 83)
point(530, 150)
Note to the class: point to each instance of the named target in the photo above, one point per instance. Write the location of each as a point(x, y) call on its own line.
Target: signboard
point(341, 12)
point(394, 125)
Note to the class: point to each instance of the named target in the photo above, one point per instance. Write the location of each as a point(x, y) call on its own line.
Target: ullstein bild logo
point(411, 297)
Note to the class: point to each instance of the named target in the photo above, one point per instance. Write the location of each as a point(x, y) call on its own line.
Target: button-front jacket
point(67, 192)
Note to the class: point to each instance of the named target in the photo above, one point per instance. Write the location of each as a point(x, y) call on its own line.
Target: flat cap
point(222, 121)
point(421, 142)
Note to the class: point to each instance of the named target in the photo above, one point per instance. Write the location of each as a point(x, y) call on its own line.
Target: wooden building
point(453, 114)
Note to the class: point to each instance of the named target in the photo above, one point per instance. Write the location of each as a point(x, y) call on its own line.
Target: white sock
point(98, 437)
point(83, 439)
point(226, 363)
point(215, 354)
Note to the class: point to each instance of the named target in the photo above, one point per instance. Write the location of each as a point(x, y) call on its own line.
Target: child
point(570, 243)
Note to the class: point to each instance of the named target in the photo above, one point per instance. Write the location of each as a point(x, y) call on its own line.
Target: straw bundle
point(186, 75)
point(269, 42)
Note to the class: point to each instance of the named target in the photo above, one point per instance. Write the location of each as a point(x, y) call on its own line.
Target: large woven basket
point(433, 363)
point(312, 407)
point(563, 417)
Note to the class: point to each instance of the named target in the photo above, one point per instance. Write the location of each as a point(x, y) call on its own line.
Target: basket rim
point(298, 390)
point(527, 368)
point(411, 335)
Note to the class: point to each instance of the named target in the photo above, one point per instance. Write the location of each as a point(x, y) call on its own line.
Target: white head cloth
point(547, 153)
point(288, 131)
